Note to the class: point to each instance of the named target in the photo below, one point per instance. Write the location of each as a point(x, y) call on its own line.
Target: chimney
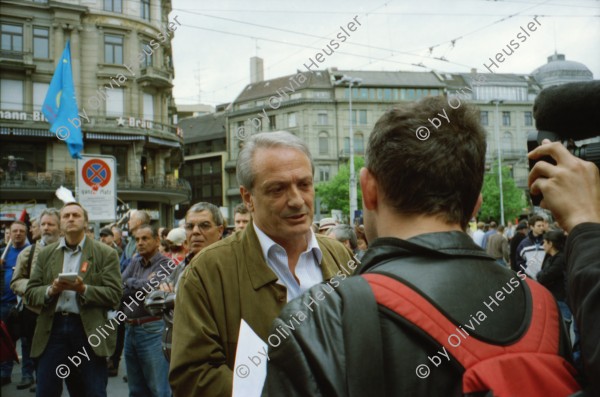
point(256, 70)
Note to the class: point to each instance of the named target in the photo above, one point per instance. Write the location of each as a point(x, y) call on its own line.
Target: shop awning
point(114, 137)
point(163, 142)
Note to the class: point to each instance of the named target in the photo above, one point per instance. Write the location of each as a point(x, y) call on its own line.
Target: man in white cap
point(176, 239)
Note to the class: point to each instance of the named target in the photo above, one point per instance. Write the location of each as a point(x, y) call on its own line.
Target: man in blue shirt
point(489, 233)
point(147, 368)
point(18, 242)
point(136, 219)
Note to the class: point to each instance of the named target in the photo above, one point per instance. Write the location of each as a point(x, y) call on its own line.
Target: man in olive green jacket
point(252, 274)
point(71, 328)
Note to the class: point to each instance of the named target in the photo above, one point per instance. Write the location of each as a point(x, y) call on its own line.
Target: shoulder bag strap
point(362, 339)
point(30, 259)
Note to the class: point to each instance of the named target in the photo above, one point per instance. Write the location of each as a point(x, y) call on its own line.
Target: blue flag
point(60, 106)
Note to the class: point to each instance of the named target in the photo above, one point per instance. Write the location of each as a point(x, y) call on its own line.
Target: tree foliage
point(335, 194)
point(513, 197)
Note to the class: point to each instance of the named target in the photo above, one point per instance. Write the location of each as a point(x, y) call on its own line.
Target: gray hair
point(51, 212)
point(344, 233)
point(266, 140)
point(204, 206)
point(153, 229)
point(142, 215)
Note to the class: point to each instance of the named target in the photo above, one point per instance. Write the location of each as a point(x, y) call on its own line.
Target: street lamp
point(498, 102)
point(353, 195)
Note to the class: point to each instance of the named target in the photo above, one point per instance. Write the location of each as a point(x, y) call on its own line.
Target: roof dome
point(559, 71)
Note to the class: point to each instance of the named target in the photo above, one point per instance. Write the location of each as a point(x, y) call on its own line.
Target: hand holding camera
point(571, 188)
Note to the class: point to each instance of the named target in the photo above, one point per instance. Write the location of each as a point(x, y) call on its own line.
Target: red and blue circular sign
point(96, 173)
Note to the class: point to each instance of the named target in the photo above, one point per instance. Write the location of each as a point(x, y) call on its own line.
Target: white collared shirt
point(308, 268)
point(67, 301)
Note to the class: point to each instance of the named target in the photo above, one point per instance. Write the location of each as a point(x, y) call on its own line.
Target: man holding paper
point(73, 308)
point(251, 274)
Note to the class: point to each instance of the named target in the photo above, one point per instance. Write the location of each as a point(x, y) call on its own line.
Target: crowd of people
point(340, 307)
point(535, 247)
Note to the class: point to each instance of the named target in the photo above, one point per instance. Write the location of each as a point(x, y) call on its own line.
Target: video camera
point(567, 113)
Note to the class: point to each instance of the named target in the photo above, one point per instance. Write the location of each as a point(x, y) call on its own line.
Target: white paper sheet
point(250, 368)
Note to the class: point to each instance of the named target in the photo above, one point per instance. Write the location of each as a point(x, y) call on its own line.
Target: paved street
point(116, 386)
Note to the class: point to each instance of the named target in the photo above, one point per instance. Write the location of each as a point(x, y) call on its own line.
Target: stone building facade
point(123, 71)
point(314, 106)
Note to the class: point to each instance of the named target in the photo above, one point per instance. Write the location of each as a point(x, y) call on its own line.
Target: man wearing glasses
point(253, 273)
point(203, 227)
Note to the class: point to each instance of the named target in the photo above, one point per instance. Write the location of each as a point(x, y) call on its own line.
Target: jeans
point(27, 367)
point(65, 356)
point(147, 368)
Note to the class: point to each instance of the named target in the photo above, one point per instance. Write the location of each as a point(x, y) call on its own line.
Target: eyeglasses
point(204, 226)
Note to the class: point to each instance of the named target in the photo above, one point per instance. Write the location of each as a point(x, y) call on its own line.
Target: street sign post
point(96, 186)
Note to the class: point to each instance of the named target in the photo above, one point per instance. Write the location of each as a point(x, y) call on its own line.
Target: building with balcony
point(509, 122)
point(123, 71)
point(313, 106)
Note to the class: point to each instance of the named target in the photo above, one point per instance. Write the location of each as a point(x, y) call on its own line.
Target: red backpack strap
point(542, 335)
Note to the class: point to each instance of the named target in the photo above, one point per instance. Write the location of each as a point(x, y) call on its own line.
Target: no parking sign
point(96, 187)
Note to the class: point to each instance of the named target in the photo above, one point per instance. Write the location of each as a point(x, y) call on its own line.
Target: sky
point(213, 47)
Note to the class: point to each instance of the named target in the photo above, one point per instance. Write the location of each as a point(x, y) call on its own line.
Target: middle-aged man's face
point(145, 243)
point(36, 232)
point(538, 228)
point(241, 220)
point(50, 229)
point(18, 234)
point(283, 193)
point(72, 220)
point(201, 231)
point(107, 239)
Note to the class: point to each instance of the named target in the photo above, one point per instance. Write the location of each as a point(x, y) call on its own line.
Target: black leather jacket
point(449, 269)
point(583, 261)
point(553, 275)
